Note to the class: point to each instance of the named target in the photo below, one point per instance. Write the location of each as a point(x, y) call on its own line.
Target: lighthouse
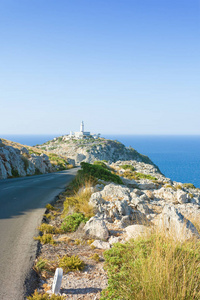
point(82, 127)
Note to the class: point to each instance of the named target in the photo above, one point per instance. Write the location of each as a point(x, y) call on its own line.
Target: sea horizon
point(177, 156)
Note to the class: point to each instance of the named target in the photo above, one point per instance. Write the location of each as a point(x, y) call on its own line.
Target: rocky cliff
point(90, 150)
point(17, 160)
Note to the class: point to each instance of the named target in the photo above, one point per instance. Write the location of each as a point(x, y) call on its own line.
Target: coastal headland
point(117, 202)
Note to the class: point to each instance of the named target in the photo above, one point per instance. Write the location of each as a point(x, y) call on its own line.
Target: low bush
point(45, 268)
point(15, 173)
point(37, 172)
point(49, 216)
point(137, 175)
point(46, 228)
point(189, 186)
point(71, 263)
point(45, 239)
point(57, 160)
point(50, 207)
point(100, 163)
point(79, 203)
point(71, 222)
point(127, 167)
point(95, 257)
point(153, 268)
point(81, 180)
point(99, 172)
point(45, 296)
point(25, 161)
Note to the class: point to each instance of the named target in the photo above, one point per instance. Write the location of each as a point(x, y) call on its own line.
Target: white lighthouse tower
point(82, 127)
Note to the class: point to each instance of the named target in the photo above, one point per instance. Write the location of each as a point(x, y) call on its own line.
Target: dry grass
point(155, 267)
point(195, 220)
point(79, 202)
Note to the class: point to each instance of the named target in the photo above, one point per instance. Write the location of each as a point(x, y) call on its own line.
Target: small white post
point(57, 281)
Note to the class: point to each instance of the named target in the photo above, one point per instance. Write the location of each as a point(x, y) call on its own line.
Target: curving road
point(22, 202)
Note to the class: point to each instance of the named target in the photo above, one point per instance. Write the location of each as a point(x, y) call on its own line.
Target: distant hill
point(90, 150)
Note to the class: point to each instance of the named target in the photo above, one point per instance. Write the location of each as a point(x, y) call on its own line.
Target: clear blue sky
point(123, 66)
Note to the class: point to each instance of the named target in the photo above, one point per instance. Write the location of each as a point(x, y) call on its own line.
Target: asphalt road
point(22, 205)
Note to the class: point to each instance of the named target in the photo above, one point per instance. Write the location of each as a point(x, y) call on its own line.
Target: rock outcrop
point(90, 150)
point(129, 212)
point(16, 162)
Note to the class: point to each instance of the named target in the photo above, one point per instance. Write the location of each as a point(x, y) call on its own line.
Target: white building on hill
point(81, 134)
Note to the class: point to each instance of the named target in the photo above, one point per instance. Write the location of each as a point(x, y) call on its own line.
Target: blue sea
point(178, 157)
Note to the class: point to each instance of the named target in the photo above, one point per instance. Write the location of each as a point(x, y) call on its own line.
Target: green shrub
point(49, 216)
point(79, 181)
point(46, 228)
point(37, 172)
point(127, 167)
point(31, 151)
point(137, 175)
point(71, 263)
point(40, 265)
point(58, 161)
point(37, 296)
point(95, 257)
point(100, 163)
point(50, 207)
point(25, 161)
point(15, 173)
point(189, 186)
point(153, 268)
point(99, 172)
point(45, 239)
point(71, 223)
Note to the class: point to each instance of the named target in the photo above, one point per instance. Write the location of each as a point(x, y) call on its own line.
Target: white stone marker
point(57, 281)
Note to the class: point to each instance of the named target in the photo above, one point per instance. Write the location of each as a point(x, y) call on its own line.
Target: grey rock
point(173, 223)
point(3, 172)
point(182, 197)
point(116, 191)
point(134, 231)
point(96, 228)
point(114, 239)
point(101, 244)
point(23, 150)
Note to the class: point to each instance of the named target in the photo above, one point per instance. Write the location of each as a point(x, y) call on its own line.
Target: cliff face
point(90, 150)
point(17, 160)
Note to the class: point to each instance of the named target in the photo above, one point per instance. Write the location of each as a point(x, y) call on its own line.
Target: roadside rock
point(173, 223)
point(96, 228)
point(182, 197)
point(116, 191)
point(134, 231)
point(101, 244)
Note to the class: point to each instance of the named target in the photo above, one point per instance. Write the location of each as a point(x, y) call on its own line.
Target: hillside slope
point(18, 160)
point(90, 150)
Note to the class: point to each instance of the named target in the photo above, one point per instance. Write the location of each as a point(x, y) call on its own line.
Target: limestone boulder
point(167, 194)
point(14, 159)
point(134, 231)
point(173, 223)
point(101, 244)
point(38, 163)
point(114, 239)
point(147, 185)
point(182, 197)
point(96, 228)
point(116, 191)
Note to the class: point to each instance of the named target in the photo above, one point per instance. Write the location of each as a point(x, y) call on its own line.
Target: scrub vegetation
point(153, 268)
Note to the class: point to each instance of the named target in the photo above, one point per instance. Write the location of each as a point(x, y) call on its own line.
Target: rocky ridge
point(90, 150)
point(17, 160)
